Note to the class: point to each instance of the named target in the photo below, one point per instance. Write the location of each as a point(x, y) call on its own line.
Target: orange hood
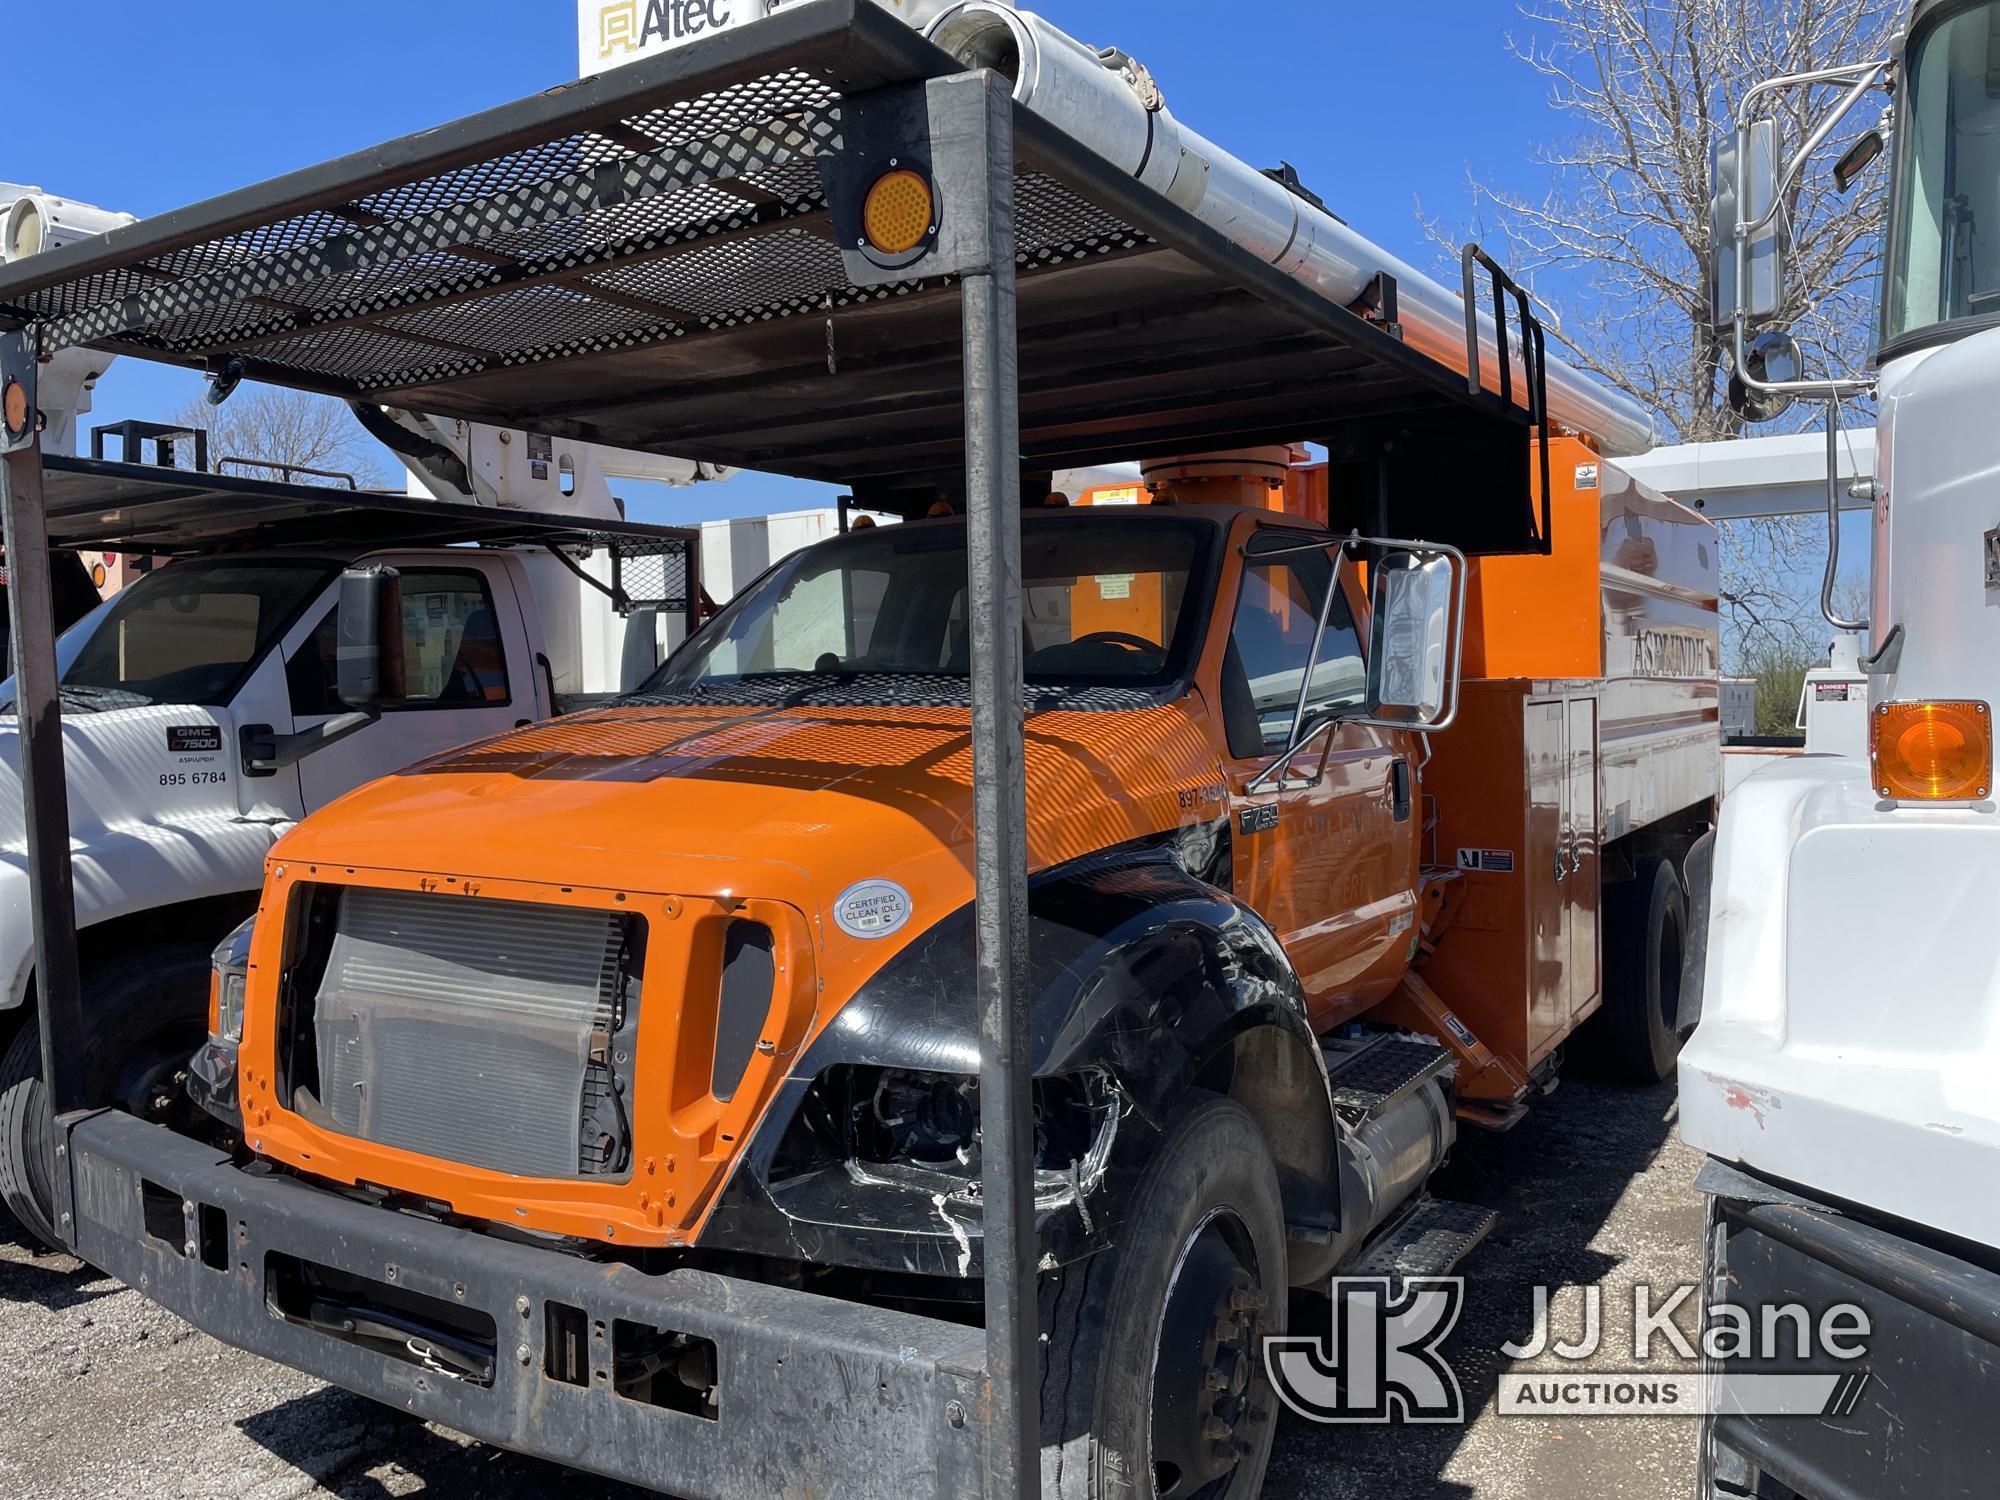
point(683, 799)
point(688, 816)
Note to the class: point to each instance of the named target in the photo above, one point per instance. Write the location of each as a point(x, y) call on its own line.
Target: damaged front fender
point(1141, 975)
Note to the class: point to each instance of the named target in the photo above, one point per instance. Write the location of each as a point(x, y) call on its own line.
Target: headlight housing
point(228, 983)
point(922, 1128)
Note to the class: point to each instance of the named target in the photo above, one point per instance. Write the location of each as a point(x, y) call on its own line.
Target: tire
point(1636, 1037)
point(145, 1013)
point(1138, 1331)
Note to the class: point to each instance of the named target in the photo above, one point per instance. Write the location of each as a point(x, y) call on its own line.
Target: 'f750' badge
point(1259, 819)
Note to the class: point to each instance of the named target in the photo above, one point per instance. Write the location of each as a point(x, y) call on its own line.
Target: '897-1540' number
point(193, 778)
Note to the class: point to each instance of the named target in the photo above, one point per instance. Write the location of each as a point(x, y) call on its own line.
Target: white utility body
point(1842, 1078)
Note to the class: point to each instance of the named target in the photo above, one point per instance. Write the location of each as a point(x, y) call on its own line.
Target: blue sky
point(144, 108)
point(181, 106)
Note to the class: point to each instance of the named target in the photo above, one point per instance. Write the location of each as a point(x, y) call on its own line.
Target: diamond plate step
point(1430, 1240)
point(1382, 1074)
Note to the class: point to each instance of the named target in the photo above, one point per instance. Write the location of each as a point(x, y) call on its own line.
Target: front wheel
point(1154, 1386)
point(145, 1014)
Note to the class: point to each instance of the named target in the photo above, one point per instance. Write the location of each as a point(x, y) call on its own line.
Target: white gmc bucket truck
point(201, 715)
point(1842, 1078)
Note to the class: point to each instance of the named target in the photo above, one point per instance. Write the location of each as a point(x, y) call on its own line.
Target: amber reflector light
point(897, 215)
point(1932, 752)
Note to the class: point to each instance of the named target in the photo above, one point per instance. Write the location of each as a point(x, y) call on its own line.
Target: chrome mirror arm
point(1339, 550)
point(1279, 770)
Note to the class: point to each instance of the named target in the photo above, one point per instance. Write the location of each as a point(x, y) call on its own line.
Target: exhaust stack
point(1111, 104)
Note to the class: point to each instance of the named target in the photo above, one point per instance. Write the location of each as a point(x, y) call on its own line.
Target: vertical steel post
point(44, 787)
point(1000, 811)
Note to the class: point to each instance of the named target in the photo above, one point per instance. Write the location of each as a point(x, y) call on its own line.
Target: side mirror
point(1772, 356)
point(1746, 188)
point(369, 653)
point(1858, 158)
point(1414, 648)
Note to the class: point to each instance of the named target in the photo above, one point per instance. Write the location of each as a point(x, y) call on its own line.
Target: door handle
point(1399, 789)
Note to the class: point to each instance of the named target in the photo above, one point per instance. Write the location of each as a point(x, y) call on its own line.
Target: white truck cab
point(1841, 1079)
point(202, 718)
point(168, 686)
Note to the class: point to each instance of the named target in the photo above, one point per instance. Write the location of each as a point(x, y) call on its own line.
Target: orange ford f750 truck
point(684, 983)
point(645, 1090)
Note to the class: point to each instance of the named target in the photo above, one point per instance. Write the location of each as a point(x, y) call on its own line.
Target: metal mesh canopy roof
point(645, 259)
point(94, 505)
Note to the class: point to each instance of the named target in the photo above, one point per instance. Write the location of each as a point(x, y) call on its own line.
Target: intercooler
point(495, 1034)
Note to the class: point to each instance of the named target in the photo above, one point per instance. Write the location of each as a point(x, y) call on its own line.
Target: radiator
point(469, 1030)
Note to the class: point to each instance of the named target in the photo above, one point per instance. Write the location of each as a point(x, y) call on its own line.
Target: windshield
point(1945, 263)
point(1105, 599)
point(188, 633)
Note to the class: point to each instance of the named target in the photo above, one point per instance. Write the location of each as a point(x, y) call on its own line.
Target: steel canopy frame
point(670, 247)
point(95, 505)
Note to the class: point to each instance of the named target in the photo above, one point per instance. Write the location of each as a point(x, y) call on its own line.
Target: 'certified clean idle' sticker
point(872, 909)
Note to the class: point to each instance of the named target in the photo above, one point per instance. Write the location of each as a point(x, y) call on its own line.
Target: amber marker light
point(1931, 752)
point(897, 216)
point(14, 407)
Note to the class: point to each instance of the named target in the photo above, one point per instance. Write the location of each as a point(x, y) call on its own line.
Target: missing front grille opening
point(496, 1034)
point(658, 1367)
point(749, 971)
point(310, 921)
point(604, 1138)
point(565, 1344)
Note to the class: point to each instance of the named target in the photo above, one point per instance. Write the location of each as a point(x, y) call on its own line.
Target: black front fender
point(1142, 975)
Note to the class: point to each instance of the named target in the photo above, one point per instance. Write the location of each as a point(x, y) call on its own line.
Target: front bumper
point(813, 1396)
point(1922, 1424)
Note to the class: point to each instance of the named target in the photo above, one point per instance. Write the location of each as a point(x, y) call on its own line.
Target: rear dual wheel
point(1153, 1385)
point(145, 1014)
point(1636, 1037)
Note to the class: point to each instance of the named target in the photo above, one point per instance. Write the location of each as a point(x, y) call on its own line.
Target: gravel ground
point(105, 1395)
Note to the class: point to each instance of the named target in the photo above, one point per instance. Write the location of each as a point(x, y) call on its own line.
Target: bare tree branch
point(273, 424)
point(1618, 246)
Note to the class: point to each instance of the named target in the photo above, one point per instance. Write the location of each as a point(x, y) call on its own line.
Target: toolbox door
point(1548, 865)
point(1582, 884)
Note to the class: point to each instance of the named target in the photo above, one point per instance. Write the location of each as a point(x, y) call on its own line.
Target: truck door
point(467, 660)
point(1331, 866)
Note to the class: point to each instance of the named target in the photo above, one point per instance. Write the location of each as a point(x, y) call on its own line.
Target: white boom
point(1108, 101)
